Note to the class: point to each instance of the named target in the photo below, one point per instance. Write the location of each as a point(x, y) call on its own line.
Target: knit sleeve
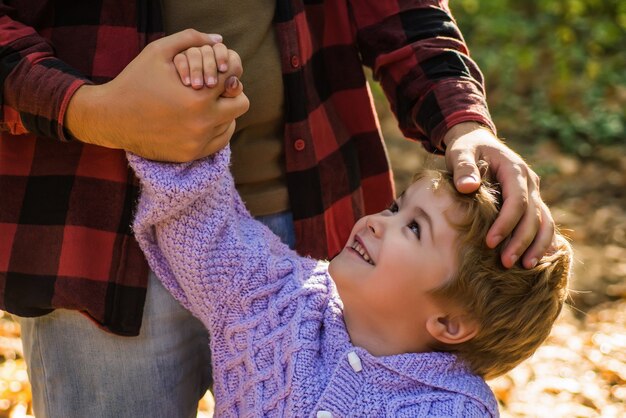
point(199, 238)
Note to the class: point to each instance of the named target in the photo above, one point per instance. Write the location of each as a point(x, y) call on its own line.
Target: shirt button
point(295, 61)
point(355, 361)
point(299, 144)
point(324, 414)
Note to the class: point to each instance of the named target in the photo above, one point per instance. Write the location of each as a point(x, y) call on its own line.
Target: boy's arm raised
point(199, 238)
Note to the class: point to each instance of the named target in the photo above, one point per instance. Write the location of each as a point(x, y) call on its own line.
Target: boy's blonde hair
point(514, 308)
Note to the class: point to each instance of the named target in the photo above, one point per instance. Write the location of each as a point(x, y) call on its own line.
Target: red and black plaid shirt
point(66, 207)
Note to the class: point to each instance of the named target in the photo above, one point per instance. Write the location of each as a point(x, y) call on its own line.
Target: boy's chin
point(332, 265)
point(335, 267)
point(339, 268)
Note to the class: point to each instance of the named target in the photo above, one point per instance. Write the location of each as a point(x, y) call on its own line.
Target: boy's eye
point(415, 228)
point(393, 207)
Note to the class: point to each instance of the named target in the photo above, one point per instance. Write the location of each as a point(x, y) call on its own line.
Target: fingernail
point(233, 82)
point(514, 258)
point(187, 81)
point(215, 37)
point(223, 67)
point(468, 179)
point(211, 81)
point(533, 262)
point(197, 82)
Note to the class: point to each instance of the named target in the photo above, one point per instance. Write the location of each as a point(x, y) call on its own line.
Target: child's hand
point(199, 66)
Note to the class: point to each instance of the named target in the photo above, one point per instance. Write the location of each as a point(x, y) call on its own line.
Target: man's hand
point(148, 111)
point(523, 214)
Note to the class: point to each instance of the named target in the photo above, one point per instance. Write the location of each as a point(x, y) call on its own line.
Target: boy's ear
point(452, 329)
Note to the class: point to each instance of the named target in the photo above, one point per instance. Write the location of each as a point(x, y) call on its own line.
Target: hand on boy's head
point(523, 213)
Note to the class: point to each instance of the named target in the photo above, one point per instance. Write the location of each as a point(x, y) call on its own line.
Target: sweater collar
point(441, 370)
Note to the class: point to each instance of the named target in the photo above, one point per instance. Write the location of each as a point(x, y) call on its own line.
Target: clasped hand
point(148, 111)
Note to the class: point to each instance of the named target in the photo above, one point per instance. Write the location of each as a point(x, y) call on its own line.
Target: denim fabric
point(282, 225)
point(78, 370)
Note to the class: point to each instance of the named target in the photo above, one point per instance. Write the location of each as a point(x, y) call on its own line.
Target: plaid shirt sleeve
point(65, 206)
point(37, 86)
point(419, 56)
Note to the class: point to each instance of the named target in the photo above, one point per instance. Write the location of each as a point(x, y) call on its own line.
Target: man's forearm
point(87, 115)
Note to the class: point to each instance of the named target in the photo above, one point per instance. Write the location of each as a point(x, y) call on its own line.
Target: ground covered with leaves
point(581, 369)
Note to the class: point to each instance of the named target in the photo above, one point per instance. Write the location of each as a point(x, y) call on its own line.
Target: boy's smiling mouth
point(358, 246)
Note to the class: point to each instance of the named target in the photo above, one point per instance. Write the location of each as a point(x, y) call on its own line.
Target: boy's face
point(393, 258)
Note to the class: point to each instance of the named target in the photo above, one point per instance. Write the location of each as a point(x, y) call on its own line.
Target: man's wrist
point(84, 111)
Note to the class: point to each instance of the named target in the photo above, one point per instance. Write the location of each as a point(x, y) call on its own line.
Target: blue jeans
point(282, 225)
point(78, 370)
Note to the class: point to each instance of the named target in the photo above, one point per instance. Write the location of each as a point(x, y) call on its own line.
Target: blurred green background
point(554, 69)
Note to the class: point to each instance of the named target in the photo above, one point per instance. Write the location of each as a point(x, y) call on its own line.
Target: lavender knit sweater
point(279, 343)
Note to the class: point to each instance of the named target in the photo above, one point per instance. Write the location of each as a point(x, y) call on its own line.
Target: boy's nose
point(375, 225)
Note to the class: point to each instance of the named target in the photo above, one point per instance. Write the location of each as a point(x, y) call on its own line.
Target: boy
point(405, 321)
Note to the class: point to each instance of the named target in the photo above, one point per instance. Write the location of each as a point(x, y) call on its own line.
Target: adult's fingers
point(462, 162)
point(543, 240)
point(514, 187)
point(533, 235)
point(232, 107)
point(522, 236)
point(177, 42)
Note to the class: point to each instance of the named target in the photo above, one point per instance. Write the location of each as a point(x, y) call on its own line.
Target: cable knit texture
point(279, 343)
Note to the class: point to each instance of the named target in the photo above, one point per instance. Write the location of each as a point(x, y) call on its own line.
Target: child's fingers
point(221, 57)
point(170, 45)
point(209, 65)
point(234, 63)
point(182, 66)
point(194, 58)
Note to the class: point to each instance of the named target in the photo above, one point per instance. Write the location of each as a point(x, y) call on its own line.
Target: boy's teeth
point(359, 248)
